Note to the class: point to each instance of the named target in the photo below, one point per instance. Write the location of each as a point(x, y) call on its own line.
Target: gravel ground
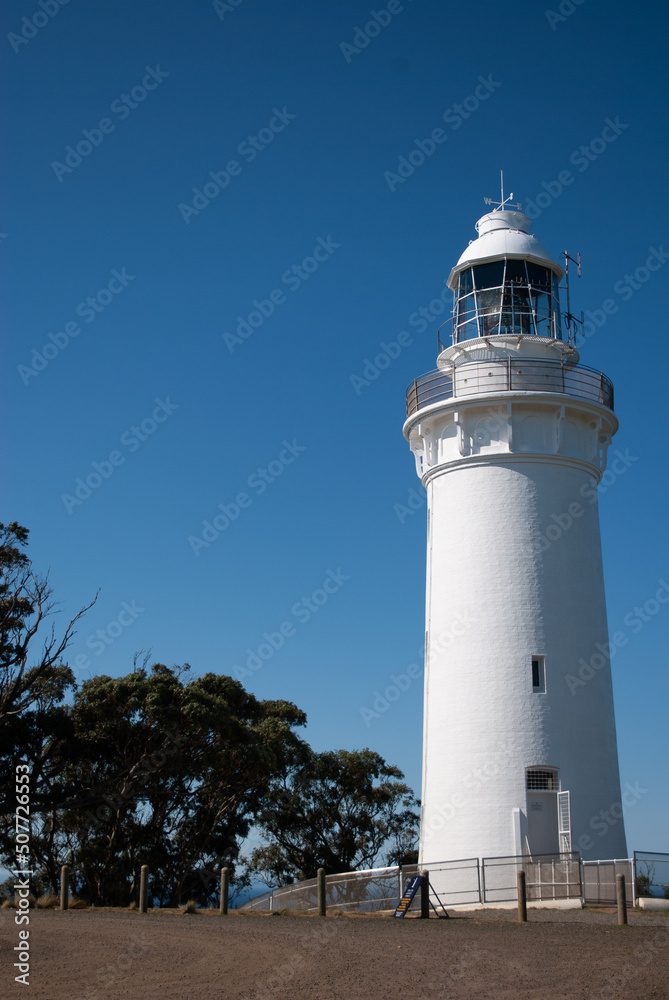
point(121, 955)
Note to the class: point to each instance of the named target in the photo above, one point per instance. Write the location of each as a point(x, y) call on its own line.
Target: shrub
point(47, 902)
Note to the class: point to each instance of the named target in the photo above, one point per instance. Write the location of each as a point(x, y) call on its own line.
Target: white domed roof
point(503, 234)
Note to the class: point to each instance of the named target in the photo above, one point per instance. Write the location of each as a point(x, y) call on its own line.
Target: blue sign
point(407, 899)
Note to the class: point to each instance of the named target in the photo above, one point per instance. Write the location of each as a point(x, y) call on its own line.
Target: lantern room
point(506, 283)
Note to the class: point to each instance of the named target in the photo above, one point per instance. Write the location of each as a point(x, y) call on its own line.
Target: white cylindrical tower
point(510, 436)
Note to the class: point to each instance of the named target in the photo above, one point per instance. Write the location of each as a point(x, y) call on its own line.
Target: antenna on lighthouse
point(499, 205)
point(571, 333)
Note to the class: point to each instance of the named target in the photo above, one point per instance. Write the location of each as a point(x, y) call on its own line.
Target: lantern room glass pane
point(517, 318)
point(466, 281)
point(469, 331)
point(539, 277)
point(515, 272)
point(489, 303)
point(466, 318)
point(489, 275)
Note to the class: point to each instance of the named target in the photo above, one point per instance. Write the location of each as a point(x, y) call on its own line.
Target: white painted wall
point(514, 569)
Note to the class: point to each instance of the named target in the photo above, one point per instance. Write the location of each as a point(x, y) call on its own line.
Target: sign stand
point(410, 890)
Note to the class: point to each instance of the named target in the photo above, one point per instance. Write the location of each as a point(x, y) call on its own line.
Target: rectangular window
point(538, 674)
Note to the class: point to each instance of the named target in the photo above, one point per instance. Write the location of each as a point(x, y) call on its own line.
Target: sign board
point(410, 891)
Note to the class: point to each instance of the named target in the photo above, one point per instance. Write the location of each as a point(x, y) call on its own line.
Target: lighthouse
point(510, 436)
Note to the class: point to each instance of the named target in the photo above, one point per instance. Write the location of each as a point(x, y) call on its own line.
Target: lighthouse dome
point(503, 234)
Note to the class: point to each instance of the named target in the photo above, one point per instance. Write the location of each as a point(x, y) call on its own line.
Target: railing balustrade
point(475, 378)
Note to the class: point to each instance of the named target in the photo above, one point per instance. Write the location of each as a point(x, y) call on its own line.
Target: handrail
point(509, 375)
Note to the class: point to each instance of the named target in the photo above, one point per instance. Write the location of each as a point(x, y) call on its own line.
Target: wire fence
point(651, 874)
point(299, 896)
point(547, 877)
point(599, 881)
point(452, 883)
point(367, 891)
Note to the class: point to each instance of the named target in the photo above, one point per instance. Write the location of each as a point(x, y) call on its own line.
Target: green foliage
point(165, 772)
point(336, 810)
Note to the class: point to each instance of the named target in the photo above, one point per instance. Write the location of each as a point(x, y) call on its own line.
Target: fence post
point(64, 887)
point(143, 888)
point(225, 882)
point(621, 899)
point(320, 884)
point(425, 896)
point(522, 897)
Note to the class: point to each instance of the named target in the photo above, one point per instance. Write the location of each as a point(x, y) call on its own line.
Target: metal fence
point(512, 374)
point(651, 874)
point(452, 883)
point(367, 891)
point(547, 877)
point(599, 881)
point(299, 896)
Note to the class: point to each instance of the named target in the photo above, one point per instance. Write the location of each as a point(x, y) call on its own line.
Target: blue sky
point(207, 336)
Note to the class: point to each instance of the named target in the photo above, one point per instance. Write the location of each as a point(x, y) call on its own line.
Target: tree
point(645, 878)
point(25, 604)
point(168, 773)
point(42, 736)
point(33, 683)
point(337, 810)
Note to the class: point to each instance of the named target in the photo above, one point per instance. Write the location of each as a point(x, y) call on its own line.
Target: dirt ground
point(121, 955)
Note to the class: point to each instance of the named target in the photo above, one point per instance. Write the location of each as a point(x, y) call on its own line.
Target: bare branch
point(25, 604)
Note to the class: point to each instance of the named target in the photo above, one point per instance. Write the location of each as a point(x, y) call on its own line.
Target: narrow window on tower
point(538, 674)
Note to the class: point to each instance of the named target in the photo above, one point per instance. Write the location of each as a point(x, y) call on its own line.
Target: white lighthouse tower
point(510, 436)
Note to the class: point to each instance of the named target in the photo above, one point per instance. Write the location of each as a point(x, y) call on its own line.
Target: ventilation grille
point(541, 779)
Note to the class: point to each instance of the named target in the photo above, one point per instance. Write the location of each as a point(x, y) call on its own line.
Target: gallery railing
point(475, 378)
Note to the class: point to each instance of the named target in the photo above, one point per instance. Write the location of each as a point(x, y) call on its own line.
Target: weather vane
point(500, 205)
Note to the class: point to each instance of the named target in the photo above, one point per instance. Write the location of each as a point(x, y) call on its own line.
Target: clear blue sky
point(304, 136)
